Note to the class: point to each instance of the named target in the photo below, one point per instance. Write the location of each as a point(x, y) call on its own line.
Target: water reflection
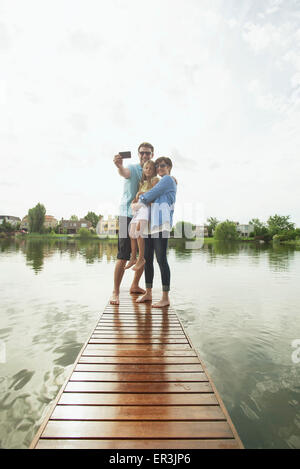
point(37, 251)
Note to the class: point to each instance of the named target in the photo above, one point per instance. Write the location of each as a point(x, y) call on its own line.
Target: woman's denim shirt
point(163, 196)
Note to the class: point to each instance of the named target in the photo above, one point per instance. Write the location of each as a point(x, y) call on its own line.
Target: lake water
point(240, 306)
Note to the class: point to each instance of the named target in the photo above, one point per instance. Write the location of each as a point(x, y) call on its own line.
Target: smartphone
point(125, 154)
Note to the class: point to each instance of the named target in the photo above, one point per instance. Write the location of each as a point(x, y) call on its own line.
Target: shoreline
point(73, 237)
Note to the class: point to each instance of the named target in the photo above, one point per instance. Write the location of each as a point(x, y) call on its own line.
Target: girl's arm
point(163, 185)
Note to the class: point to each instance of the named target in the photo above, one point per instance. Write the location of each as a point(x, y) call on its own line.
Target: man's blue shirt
point(131, 186)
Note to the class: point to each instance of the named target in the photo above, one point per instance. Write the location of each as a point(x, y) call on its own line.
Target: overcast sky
point(215, 85)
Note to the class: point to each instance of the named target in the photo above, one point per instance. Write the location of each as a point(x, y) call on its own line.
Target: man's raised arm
point(125, 172)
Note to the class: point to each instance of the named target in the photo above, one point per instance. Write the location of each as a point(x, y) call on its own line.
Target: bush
point(226, 231)
point(287, 235)
point(84, 233)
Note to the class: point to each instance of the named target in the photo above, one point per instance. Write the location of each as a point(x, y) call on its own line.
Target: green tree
point(259, 227)
point(74, 217)
point(278, 224)
point(36, 218)
point(93, 218)
point(226, 231)
point(212, 223)
point(6, 227)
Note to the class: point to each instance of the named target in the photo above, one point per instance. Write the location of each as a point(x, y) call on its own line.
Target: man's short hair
point(146, 144)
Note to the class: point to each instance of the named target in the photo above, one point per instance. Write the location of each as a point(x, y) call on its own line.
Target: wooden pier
point(137, 383)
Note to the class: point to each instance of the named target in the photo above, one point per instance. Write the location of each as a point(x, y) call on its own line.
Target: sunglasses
point(161, 165)
point(148, 153)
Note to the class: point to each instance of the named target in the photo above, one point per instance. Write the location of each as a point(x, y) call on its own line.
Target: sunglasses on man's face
point(161, 165)
point(148, 153)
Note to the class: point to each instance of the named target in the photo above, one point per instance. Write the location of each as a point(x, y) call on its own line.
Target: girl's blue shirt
point(163, 196)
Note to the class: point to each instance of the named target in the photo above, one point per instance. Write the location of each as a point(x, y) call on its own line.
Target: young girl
point(141, 217)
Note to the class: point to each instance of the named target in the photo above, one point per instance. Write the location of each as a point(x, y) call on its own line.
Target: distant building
point(24, 223)
point(50, 222)
point(73, 226)
point(10, 219)
point(108, 227)
point(245, 230)
point(202, 230)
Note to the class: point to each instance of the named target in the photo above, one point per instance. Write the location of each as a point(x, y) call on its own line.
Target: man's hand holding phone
point(118, 159)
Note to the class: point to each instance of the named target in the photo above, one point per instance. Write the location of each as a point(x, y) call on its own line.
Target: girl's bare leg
point(146, 297)
point(132, 235)
point(141, 244)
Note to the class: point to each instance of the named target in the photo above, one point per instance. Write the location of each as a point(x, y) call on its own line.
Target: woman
point(162, 199)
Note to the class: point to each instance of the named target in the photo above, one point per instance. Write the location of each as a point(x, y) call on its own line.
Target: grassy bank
point(68, 237)
point(292, 242)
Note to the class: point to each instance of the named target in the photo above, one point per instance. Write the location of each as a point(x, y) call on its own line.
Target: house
point(10, 219)
point(201, 230)
point(245, 230)
point(108, 227)
point(50, 222)
point(73, 226)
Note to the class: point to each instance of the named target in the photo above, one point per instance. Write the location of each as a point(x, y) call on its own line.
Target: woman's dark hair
point(164, 159)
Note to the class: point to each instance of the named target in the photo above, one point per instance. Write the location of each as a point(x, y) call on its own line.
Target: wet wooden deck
point(137, 383)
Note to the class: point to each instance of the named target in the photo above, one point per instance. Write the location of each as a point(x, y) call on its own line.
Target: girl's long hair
point(144, 177)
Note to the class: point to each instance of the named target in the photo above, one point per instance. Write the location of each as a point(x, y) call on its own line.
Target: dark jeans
point(158, 245)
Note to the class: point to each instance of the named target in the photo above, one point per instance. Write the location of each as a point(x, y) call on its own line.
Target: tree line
point(36, 220)
point(278, 227)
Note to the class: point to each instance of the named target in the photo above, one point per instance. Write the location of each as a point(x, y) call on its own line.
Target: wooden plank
point(139, 368)
point(157, 413)
point(139, 333)
point(140, 429)
point(102, 376)
point(99, 350)
point(123, 348)
point(137, 444)
point(138, 330)
point(150, 360)
point(87, 398)
point(144, 388)
point(96, 340)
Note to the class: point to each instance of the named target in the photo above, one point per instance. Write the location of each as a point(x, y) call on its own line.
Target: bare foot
point(137, 289)
point(140, 263)
point(114, 300)
point(130, 263)
point(161, 304)
point(146, 297)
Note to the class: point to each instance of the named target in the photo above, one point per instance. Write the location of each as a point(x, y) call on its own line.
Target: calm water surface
point(240, 306)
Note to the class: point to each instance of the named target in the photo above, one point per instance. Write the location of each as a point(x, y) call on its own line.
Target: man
point(132, 175)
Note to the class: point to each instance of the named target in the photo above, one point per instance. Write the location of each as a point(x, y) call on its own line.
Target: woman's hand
point(135, 206)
